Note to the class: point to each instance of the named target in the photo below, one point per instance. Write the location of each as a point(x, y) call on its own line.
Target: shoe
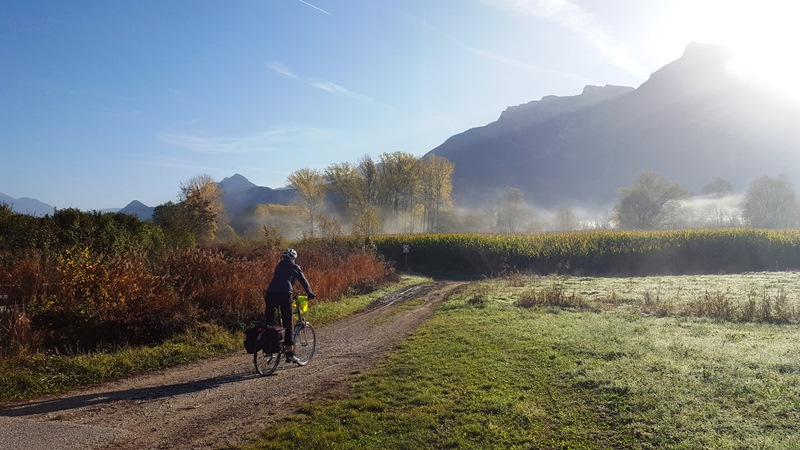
point(290, 358)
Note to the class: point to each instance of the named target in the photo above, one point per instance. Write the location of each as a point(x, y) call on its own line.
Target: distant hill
point(25, 205)
point(691, 121)
point(138, 209)
point(239, 194)
point(236, 183)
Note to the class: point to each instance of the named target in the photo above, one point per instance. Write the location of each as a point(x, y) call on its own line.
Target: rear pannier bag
point(252, 338)
point(272, 338)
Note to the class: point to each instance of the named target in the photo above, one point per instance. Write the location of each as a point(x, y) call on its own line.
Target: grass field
point(552, 362)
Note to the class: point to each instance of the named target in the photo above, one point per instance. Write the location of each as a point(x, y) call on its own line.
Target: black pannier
point(272, 338)
point(252, 338)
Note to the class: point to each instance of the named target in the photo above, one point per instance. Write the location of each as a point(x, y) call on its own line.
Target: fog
point(702, 211)
point(710, 212)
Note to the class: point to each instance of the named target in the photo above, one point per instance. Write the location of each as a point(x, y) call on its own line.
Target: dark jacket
point(286, 273)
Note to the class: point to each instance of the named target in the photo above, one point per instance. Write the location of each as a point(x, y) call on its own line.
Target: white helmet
point(290, 253)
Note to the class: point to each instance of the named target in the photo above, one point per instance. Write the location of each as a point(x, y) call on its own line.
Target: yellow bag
point(302, 303)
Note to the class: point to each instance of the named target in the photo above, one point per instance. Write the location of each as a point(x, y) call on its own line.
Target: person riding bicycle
point(279, 295)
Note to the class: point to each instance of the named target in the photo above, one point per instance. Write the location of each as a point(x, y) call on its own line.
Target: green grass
point(324, 313)
point(485, 373)
point(27, 376)
point(772, 297)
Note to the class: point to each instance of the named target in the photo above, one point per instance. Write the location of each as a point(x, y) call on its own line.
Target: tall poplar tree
point(310, 187)
point(436, 187)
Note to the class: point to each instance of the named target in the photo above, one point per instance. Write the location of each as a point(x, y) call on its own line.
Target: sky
point(104, 102)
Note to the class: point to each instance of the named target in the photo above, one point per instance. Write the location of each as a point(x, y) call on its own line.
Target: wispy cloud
point(334, 88)
point(575, 18)
point(277, 67)
point(273, 139)
point(315, 7)
point(486, 54)
point(324, 85)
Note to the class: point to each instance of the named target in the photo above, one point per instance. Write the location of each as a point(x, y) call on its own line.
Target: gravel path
point(220, 402)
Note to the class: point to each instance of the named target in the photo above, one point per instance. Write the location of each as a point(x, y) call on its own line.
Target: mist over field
point(698, 211)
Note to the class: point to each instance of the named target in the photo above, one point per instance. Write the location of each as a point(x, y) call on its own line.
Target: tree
point(328, 227)
point(310, 187)
point(371, 183)
point(718, 188)
point(565, 220)
point(284, 220)
point(367, 223)
point(511, 210)
point(436, 187)
point(398, 175)
point(650, 203)
point(345, 180)
point(204, 211)
point(770, 203)
point(172, 218)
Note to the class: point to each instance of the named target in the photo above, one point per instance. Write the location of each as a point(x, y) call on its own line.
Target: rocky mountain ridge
point(691, 121)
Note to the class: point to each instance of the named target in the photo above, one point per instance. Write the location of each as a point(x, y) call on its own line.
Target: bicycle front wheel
point(266, 363)
point(305, 342)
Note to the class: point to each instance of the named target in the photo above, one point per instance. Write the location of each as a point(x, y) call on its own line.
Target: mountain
point(239, 194)
point(25, 205)
point(138, 209)
point(236, 183)
point(692, 121)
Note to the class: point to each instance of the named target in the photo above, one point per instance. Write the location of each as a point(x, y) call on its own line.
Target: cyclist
point(279, 295)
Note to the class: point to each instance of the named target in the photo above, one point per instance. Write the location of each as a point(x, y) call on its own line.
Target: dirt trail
point(219, 402)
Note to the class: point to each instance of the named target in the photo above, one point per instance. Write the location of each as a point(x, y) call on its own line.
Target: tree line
point(654, 202)
point(397, 192)
point(401, 193)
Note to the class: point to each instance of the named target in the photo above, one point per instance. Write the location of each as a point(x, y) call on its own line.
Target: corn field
point(610, 253)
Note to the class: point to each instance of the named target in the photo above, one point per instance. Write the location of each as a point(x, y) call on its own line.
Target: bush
point(100, 281)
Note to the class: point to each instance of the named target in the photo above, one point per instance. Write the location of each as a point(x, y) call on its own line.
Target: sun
point(766, 48)
point(762, 36)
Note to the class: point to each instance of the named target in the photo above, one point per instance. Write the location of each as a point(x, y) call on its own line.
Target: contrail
point(315, 7)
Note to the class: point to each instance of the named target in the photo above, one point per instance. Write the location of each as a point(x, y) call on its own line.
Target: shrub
point(77, 298)
point(552, 295)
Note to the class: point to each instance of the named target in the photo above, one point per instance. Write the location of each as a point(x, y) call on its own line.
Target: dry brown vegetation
point(78, 299)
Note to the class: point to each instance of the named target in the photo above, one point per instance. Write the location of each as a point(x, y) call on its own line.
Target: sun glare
point(762, 36)
point(767, 48)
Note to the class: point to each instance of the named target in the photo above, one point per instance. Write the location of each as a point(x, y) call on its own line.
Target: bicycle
point(305, 342)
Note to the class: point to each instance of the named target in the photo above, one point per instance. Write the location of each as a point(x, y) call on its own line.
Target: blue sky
point(104, 102)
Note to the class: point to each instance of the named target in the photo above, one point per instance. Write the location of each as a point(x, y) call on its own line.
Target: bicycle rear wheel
point(267, 363)
point(305, 342)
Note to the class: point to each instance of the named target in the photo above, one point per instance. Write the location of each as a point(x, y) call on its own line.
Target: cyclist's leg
point(286, 317)
point(270, 314)
point(271, 305)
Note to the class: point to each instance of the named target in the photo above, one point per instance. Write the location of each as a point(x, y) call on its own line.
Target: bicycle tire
point(305, 342)
point(267, 364)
